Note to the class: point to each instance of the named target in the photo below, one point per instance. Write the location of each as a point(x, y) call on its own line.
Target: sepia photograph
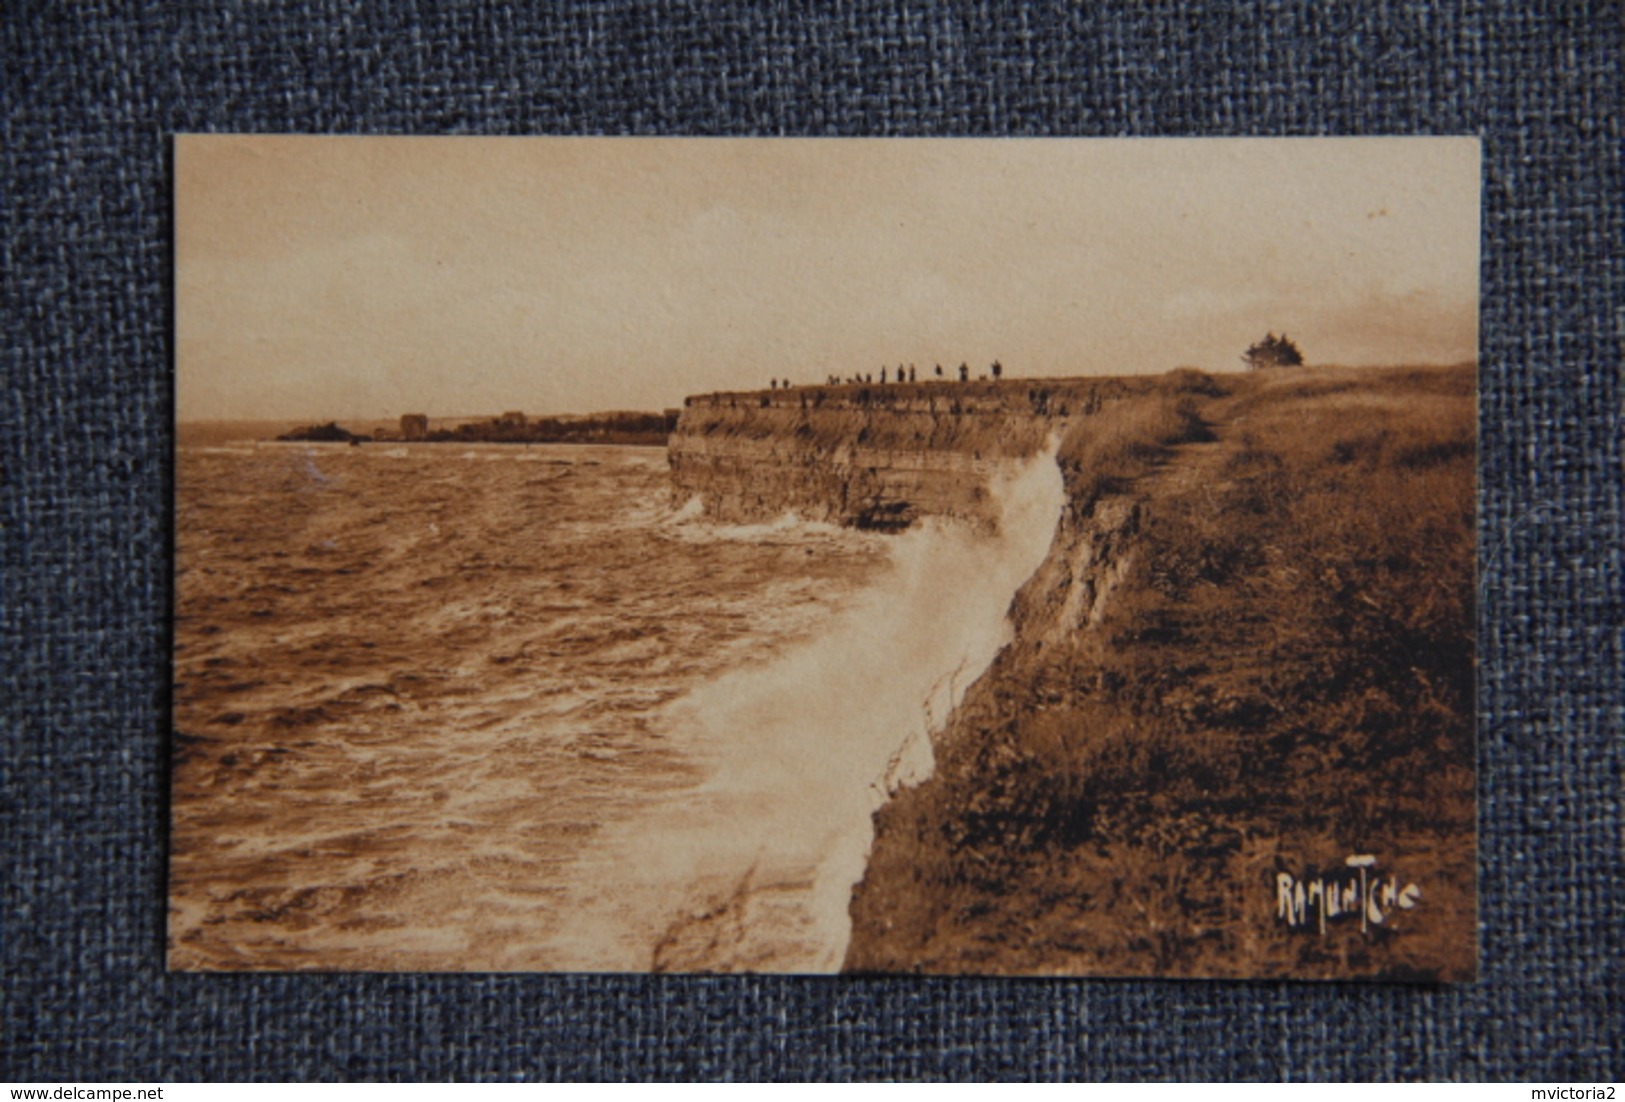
point(1024, 557)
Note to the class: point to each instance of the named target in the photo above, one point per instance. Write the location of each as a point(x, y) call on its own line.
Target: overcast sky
point(369, 277)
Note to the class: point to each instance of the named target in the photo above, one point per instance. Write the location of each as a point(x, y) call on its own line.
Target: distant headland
point(514, 427)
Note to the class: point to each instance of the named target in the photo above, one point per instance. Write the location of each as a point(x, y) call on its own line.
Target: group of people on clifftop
point(902, 374)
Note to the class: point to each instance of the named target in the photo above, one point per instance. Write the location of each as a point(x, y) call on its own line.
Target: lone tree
point(1273, 351)
point(964, 372)
point(998, 369)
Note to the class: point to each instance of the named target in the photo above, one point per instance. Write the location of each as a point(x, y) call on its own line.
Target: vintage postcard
point(1016, 557)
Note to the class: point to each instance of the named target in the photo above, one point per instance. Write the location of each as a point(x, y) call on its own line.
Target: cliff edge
point(1232, 734)
point(874, 457)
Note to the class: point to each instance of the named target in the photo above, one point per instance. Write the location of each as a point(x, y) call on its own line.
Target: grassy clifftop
point(1249, 655)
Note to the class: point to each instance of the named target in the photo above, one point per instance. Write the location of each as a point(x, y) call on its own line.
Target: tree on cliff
point(1272, 351)
point(939, 371)
point(964, 372)
point(998, 369)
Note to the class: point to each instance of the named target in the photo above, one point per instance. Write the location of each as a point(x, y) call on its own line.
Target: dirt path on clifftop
point(1188, 467)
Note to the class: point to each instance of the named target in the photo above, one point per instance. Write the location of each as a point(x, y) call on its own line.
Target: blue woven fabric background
point(92, 93)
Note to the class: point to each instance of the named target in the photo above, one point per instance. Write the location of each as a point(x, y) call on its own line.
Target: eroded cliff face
point(1247, 656)
point(745, 480)
point(877, 457)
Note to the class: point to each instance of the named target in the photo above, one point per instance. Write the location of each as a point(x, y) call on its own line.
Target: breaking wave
point(752, 869)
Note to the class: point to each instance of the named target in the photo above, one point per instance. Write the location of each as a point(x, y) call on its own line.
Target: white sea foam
point(691, 510)
point(689, 524)
point(786, 527)
point(753, 869)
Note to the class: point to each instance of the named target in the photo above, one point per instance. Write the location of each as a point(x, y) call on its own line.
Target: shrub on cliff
point(1273, 351)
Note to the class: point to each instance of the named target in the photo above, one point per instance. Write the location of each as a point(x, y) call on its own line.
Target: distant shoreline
point(196, 434)
point(618, 430)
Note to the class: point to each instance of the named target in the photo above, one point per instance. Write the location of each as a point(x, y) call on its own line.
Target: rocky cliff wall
point(869, 456)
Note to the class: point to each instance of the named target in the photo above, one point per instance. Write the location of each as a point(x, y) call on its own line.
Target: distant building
point(414, 426)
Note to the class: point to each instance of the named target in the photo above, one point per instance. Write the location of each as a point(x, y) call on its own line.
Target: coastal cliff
point(1232, 734)
point(875, 457)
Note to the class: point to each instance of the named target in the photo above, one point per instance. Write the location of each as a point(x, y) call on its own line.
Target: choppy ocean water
point(503, 708)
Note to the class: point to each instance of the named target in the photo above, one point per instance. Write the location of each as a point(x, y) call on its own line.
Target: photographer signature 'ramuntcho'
point(1330, 897)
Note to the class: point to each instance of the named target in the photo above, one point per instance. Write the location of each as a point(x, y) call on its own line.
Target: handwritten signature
point(1360, 890)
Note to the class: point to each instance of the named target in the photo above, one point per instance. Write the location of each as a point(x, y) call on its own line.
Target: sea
point(502, 708)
